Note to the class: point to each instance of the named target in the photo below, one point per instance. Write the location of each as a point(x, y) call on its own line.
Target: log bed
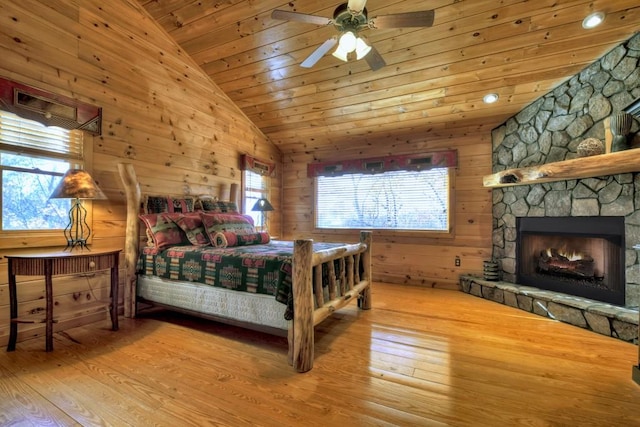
point(311, 302)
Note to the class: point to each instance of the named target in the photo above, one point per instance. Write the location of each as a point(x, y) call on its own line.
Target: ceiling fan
point(350, 18)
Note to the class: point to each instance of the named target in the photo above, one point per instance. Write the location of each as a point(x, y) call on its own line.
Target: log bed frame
point(310, 306)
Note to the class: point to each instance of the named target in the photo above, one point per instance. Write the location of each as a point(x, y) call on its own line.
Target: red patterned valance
point(257, 166)
point(436, 159)
point(48, 108)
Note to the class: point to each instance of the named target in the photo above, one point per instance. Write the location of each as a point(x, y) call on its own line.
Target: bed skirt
point(237, 307)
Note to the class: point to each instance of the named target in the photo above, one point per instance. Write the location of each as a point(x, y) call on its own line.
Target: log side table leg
point(113, 308)
point(13, 301)
point(48, 281)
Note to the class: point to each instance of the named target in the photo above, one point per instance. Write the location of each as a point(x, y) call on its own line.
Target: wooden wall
point(160, 112)
point(418, 260)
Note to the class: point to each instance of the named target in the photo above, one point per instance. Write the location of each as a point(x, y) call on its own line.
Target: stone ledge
point(605, 319)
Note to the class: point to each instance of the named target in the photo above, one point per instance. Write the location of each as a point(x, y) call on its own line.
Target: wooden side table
point(49, 264)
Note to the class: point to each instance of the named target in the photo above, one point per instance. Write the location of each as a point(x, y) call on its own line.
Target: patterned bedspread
point(264, 269)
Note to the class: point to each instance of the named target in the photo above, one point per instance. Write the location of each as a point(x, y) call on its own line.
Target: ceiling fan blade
point(319, 53)
point(374, 59)
point(285, 15)
point(356, 7)
point(422, 18)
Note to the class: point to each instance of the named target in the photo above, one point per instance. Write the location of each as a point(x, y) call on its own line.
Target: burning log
point(578, 265)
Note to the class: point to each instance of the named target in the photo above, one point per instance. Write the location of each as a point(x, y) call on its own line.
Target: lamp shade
point(347, 41)
point(341, 54)
point(262, 205)
point(362, 48)
point(77, 184)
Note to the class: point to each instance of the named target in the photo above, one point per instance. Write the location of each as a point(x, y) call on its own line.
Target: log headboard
point(134, 198)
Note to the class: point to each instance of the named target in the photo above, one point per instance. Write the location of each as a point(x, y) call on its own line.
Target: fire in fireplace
point(566, 262)
point(581, 256)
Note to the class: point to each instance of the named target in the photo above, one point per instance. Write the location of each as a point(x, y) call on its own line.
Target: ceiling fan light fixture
point(593, 20)
point(348, 42)
point(362, 48)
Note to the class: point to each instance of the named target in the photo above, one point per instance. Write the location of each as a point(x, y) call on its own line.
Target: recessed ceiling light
point(593, 20)
point(490, 98)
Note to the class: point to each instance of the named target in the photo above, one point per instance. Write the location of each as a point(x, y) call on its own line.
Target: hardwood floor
point(419, 357)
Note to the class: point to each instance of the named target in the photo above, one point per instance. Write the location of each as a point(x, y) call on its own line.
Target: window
point(394, 200)
point(255, 187)
point(256, 175)
point(33, 158)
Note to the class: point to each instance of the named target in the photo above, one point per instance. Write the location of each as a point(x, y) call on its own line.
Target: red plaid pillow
point(191, 224)
point(163, 230)
point(232, 223)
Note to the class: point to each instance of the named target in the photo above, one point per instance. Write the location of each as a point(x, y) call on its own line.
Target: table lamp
point(263, 205)
point(77, 184)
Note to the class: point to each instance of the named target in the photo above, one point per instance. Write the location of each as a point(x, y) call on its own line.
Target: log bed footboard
point(351, 285)
point(312, 303)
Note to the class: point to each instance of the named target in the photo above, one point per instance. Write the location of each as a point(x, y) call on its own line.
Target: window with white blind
point(391, 200)
point(256, 186)
point(33, 159)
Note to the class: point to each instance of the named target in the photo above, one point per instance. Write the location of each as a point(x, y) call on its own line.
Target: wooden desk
point(49, 264)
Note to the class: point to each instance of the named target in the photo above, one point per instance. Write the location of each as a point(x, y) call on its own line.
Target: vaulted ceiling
point(434, 79)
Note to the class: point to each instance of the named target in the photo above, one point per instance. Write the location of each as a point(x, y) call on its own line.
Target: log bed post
point(364, 302)
point(303, 337)
point(132, 192)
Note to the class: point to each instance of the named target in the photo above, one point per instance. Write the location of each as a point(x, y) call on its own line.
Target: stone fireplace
point(547, 131)
point(581, 256)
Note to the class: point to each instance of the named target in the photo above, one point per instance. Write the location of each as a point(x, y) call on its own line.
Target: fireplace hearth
point(580, 256)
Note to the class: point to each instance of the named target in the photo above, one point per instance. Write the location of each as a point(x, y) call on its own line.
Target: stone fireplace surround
point(549, 130)
point(608, 196)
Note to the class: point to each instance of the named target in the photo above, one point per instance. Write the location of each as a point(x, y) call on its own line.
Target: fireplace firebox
point(580, 256)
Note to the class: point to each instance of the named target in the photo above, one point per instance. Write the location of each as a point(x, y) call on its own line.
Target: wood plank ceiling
point(435, 77)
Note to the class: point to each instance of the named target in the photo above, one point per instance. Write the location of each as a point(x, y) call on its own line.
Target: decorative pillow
point(205, 201)
point(216, 206)
point(164, 231)
point(232, 223)
point(191, 224)
point(226, 239)
point(149, 236)
point(167, 204)
point(248, 218)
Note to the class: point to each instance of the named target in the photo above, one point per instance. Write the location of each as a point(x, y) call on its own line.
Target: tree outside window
point(392, 200)
point(33, 159)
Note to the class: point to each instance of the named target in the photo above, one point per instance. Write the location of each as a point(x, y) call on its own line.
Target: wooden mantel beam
point(583, 167)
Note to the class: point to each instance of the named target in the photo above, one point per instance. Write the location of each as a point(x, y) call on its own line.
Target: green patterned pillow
point(167, 204)
point(216, 206)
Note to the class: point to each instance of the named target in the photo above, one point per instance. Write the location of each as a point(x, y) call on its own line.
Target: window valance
point(254, 165)
point(48, 108)
point(23, 136)
point(422, 161)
